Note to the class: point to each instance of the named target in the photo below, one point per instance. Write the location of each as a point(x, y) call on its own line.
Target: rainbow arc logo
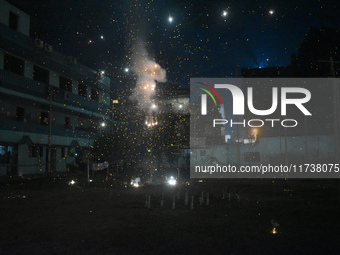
point(204, 97)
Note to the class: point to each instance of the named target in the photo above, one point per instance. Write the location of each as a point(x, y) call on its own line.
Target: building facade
point(50, 106)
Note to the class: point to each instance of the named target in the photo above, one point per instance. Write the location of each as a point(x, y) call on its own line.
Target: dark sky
point(199, 42)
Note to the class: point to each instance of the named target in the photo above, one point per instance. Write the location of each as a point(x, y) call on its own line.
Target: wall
point(319, 149)
point(24, 19)
point(29, 165)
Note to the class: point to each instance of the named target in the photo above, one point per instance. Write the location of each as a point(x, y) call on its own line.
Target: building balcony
point(16, 83)
point(57, 129)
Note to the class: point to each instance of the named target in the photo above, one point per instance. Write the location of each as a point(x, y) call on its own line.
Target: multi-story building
point(50, 105)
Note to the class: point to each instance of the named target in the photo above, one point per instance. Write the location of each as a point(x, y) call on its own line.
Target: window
point(3, 150)
point(13, 21)
point(41, 151)
point(65, 84)
point(40, 74)
point(94, 94)
point(35, 151)
point(82, 90)
point(63, 152)
point(20, 114)
point(44, 118)
point(5, 154)
point(68, 122)
point(14, 65)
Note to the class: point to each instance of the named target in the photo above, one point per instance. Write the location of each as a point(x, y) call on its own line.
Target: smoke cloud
point(148, 73)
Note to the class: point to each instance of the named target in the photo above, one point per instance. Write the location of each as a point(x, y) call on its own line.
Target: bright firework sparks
point(148, 72)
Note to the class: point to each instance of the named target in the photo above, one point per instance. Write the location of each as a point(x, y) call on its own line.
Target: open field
point(47, 216)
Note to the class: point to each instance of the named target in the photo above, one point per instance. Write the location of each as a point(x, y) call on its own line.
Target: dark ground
point(48, 216)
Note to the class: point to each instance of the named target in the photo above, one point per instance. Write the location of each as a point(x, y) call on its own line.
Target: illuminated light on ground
point(170, 19)
point(275, 225)
point(224, 13)
point(72, 182)
point(172, 181)
point(135, 182)
point(271, 12)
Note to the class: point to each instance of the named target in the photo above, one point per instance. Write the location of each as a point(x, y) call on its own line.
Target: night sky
point(186, 38)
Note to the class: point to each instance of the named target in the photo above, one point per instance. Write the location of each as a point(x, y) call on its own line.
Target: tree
point(319, 44)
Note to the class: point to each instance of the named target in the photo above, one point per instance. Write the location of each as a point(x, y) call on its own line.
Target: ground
point(49, 216)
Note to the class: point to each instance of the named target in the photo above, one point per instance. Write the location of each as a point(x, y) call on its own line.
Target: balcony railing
point(31, 127)
point(14, 36)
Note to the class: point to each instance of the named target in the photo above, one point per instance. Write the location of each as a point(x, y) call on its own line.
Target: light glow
point(172, 181)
